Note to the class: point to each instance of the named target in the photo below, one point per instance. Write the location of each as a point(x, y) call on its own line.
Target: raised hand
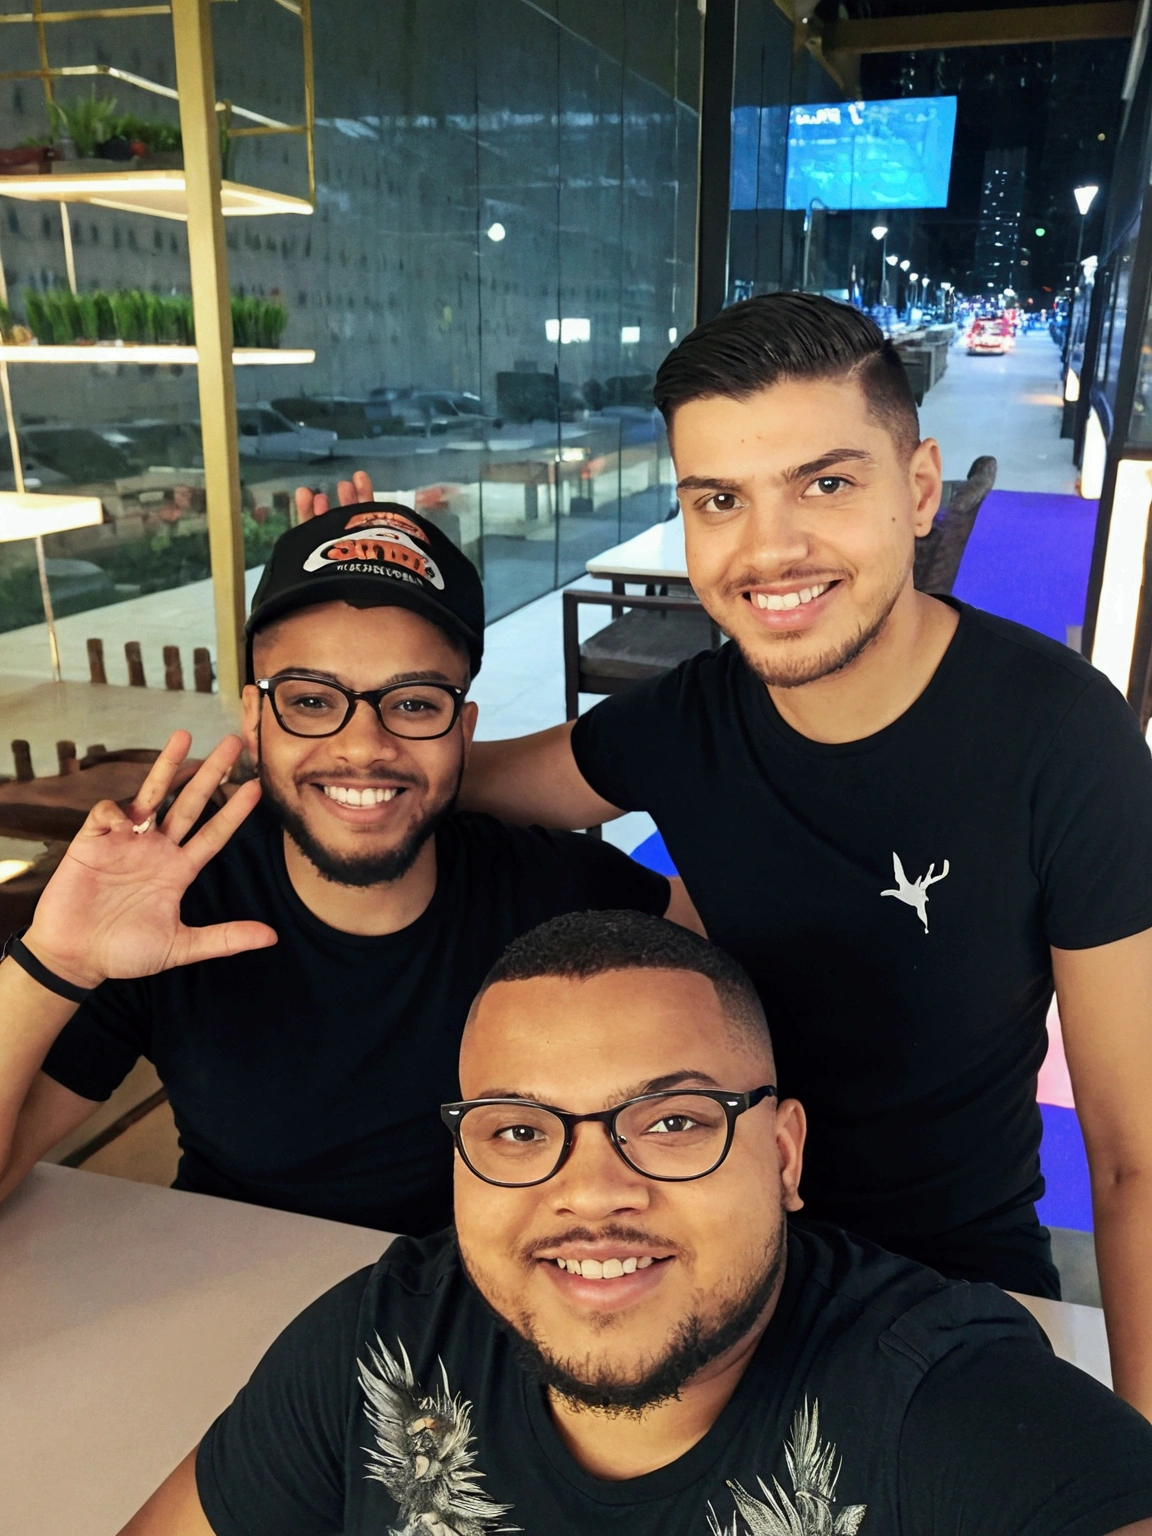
point(311, 504)
point(112, 908)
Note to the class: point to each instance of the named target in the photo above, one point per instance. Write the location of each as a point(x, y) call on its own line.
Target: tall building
point(998, 233)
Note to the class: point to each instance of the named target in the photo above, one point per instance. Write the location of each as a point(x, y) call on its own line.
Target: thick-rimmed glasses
point(673, 1136)
point(313, 706)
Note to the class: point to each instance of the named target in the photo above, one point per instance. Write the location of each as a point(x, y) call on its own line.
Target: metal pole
point(69, 258)
point(884, 269)
point(208, 259)
point(41, 567)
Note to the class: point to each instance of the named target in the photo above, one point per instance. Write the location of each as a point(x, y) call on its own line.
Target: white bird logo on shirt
point(914, 893)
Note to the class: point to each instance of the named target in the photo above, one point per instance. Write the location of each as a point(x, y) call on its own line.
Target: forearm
point(32, 1018)
point(533, 780)
point(1122, 1205)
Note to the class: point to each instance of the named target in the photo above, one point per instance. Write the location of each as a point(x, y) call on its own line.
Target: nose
point(776, 535)
point(364, 740)
point(595, 1181)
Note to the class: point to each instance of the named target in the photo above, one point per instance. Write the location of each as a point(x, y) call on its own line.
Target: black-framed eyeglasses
point(672, 1136)
point(305, 705)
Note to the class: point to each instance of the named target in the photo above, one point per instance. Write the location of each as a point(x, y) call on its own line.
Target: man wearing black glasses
point(307, 1075)
point(623, 1336)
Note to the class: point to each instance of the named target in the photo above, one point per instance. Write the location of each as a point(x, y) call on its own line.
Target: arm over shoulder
point(1004, 1439)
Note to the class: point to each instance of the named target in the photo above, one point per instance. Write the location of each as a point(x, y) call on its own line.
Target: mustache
point(362, 780)
point(612, 1232)
point(750, 578)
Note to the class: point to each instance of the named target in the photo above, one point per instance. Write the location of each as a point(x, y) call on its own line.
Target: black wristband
point(16, 949)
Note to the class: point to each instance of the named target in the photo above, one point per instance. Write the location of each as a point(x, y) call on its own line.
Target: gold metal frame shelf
point(159, 193)
point(144, 352)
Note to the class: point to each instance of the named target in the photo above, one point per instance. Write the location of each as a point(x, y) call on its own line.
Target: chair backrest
point(939, 552)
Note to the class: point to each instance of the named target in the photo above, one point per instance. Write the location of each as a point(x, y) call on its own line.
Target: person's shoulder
point(418, 1266)
point(914, 1312)
point(1014, 654)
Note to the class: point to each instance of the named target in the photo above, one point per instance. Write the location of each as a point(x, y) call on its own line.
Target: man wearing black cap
point(299, 971)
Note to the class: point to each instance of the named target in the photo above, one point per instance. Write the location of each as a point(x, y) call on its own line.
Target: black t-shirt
point(881, 1398)
point(309, 1076)
point(894, 898)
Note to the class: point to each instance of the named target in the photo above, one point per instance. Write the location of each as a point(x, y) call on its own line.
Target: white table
point(129, 1317)
point(655, 555)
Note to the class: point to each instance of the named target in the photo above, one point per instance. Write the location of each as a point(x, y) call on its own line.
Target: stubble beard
point(358, 870)
point(780, 671)
point(695, 1342)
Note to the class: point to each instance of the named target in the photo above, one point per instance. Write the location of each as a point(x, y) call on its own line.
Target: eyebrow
point(432, 676)
point(653, 1085)
point(797, 472)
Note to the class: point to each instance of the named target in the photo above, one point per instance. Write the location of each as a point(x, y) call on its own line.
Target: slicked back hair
point(780, 336)
point(581, 945)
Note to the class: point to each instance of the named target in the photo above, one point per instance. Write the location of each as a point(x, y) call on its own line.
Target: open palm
point(112, 908)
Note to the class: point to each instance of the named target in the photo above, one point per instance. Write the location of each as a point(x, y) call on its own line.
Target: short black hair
point(580, 945)
point(778, 336)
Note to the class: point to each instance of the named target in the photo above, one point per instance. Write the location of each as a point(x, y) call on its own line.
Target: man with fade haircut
point(623, 1335)
point(306, 1075)
point(906, 818)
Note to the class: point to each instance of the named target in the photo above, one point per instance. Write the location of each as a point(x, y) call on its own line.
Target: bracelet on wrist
point(16, 949)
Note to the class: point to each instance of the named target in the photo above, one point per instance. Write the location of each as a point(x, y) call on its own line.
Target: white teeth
point(371, 794)
point(608, 1269)
point(776, 602)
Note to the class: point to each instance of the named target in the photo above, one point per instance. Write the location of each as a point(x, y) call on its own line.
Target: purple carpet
point(1028, 559)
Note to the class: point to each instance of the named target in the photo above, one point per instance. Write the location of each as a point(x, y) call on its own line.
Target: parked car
point(990, 337)
point(57, 456)
point(266, 433)
point(153, 445)
point(347, 416)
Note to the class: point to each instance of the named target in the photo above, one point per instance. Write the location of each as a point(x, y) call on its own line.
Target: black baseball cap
point(375, 553)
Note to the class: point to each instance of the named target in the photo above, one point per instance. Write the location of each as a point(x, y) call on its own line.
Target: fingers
point(305, 499)
point(160, 776)
point(359, 488)
point(190, 802)
point(219, 941)
point(215, 833)
point(104, 817)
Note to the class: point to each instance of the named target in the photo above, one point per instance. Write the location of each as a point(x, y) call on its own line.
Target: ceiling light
point(496, 232)
point(1085, 197)
point(879, 231)
point(891, 260)
point(672, 333)
point(905, 264)
point(629, 335)
point(12, 869)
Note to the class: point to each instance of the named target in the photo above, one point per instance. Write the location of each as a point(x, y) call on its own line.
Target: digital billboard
point(871, 154)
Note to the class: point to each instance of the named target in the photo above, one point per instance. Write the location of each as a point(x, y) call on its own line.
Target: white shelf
point(110, 352)
point(160, 193)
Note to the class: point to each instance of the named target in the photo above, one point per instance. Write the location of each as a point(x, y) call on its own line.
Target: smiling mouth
point(778, 602)
point(368, 795)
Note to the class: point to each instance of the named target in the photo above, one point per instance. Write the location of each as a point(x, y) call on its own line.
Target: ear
point(925, 474)
point(791, 1131)
point(250, 699)
point(468, 718)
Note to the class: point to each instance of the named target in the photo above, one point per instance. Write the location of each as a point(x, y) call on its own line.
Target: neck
point(882, 683)
point(617, 1446)
point(369, 910)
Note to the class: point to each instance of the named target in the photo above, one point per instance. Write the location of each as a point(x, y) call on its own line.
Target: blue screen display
point(854, 154)
point(871, 154)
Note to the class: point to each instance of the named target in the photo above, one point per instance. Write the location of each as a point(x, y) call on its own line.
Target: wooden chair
point(648, 635)
point(939, 552)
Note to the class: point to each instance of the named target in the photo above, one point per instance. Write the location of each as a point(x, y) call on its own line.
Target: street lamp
point(1085, 196)
point(880, 232)
point(905, 264)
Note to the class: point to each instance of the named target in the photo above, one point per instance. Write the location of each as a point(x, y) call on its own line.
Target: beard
point(358, 870)
point(779, 670)
point(695, 1342)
